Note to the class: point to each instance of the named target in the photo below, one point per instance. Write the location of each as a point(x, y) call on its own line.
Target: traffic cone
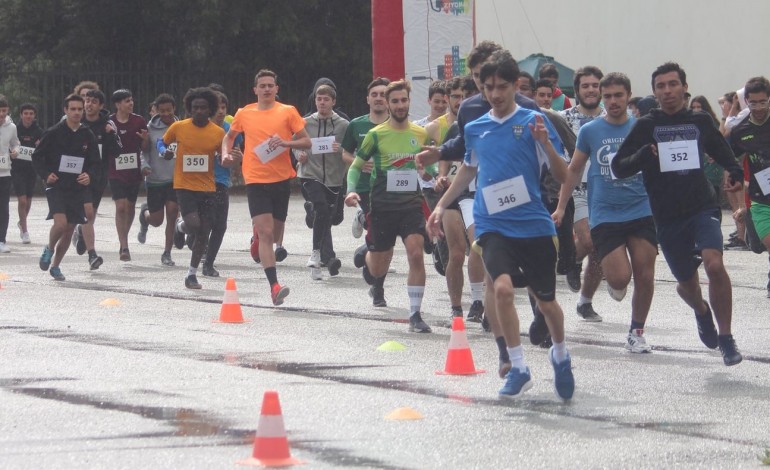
point(271, 449)
point(459, 359)
point(231, 307)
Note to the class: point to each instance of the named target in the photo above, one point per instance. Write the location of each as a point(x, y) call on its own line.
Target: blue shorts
point(682, 241)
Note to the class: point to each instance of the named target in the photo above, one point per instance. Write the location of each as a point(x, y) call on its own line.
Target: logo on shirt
point(518, 131)
point(483, 134)
point(676, 132)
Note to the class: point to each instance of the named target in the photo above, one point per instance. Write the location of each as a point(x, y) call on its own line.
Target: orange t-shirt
point(196, 148)
point(258, 126)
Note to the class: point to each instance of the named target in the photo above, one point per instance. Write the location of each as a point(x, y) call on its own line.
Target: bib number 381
point(505, 195)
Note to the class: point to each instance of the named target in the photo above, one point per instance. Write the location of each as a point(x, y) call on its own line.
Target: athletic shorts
point(466, 207)
point(158, 196)
point(529, 261)
point(385, 226)
point(121, 190)
point(269, 198)
point(682, 240)
point(24, 180)
point(69, 203)
point(581, 203)
point(196, 201)
point(760, 215)
point(608, 236)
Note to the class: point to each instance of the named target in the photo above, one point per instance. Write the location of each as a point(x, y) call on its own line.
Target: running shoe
point(45, 258)
point(189, 240)
point(141, 237)
point(125, 255)
point(25, 238)
point(278, 293)
point(209, 271)
point(636, 343)
point(280, 253)
point(573, 278)
point(166, 260)
point(378, 296)
point(75, 236)
point(358, 223)
point(587, 313)
point(309, 215)
point(476, 312)
point(178, 235)
point(316, 274)
point(538, 329)
point(417, 325)
point(485, 324)
point(334, 266)
point(4, 248)
point(191, 282)
point(94, 261)
point(730, 353)
point(359, 256)
point(617, 294)
point(438, 264)
point(736, 244)
point(78, 241)
point(56, 273)
point(706, 329)
point(315, 259)
point(516, 383)
point(427, 244)
point(563, 381)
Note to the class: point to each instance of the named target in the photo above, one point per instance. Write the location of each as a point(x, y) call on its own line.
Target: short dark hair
point(398, 85)
point(26, 106)
point(635, 101)
point(544, 82)
point(72, 97)
point(326, 90)
point(96, 93)
point(469, 84)
point(121, 94)
point(502, 64)
point(379, 81)
point(453, 83)
point(669, 67)
point(265, 73)
point(482, 52)
point(530, 78)
point(437, 86)
point(587, 71)
point(548, 70)
point(205, 93)
point(757, 85)
point(164, 98)
point(216, 87)
point(4, 102)
point(616, 78)
point(222, 98)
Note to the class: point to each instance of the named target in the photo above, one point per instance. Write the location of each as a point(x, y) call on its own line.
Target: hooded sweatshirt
point(311, 107)
point(28, 137)
point(60, 141)
point(162, 169)
point(108, 146)
point(327, 168)
point(8, 141)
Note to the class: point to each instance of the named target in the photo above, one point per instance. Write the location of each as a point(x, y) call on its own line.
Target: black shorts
point(69, 203)
point(529, 261)
point(24, 180)
point(682, 240)
point(608, 236)
point(158, 196)
point(385, 226)
point(121, 190)
point(269, 198)
point(196, 201)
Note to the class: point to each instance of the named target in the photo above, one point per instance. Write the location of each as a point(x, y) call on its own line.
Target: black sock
point(457, 308)
point(91, 253)
point(272, 276)
point(502, 348)
point(635, 325)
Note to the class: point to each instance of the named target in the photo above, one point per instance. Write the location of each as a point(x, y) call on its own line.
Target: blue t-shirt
point(222, 174)
point(609, 199)
point(509, 160)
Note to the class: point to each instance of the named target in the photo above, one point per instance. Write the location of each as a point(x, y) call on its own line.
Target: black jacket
point(61, 140)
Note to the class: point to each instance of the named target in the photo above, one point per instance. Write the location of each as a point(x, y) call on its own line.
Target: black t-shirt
point(753, 141)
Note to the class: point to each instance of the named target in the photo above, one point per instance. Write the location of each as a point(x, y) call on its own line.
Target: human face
point(325, 105)
point(438, 104)
point(92, 106)
point(376, 100)
point(634, 110)
point(3, 114)
point(74, 112)
point(166, 112)
point(669, 91)
point(27, 117)
point(455, 99)
point(500, 94)
point(543, 97)
point(200, 111)
point(526, 88)
point(695, 106)
point(615, 99)
point(125, 106)
point(266, 89)
point(588, 92)
point(476, 74)
point(398, 105)
point(758, 105)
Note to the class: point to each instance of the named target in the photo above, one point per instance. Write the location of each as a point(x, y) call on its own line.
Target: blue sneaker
point(516, 383)
point(563, 381)
point(56, 273)
point(45, 258)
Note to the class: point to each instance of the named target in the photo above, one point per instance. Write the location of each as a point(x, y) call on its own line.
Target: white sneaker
point(316, 274)
point(616, 294)
point(358, 225)
point(636, 343)
point(25, 238)
point(315, 260)
point(4, 248)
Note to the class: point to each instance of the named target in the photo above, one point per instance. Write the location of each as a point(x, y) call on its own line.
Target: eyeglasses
point(759, 104)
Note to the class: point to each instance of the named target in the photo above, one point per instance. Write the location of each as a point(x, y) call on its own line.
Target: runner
point(159, 178)
point(508, 147)
point(9, 150)
point(396, 199)
point(22, 171)
point(67, 159)
point(666, 146)
point(437, 100)
point(268, 126)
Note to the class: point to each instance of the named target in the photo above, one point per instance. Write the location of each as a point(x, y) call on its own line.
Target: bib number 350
point(195, 163)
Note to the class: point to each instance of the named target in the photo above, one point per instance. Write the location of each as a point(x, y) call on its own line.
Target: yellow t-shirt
point(195, 152)
point(259, 126)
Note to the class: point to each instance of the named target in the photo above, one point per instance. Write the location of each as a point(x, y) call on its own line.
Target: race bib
point(195, 164)
point(453, 168)
point(678, 155)
point(763, 179)
point(5, 162)
point(172, 148)
point(321, 145)
point(25, 153)
point(265, 154)
point(400, 181)
point(126, 161)
point(505, 195)
point(70, 164)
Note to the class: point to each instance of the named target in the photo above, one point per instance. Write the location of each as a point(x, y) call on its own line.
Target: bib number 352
point(678, 155)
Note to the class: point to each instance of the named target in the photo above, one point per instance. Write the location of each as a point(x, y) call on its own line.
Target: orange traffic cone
point(271, 449)
point(231, 307)
point(459, 359)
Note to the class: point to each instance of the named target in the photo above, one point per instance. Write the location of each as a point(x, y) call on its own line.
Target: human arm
point(541, 132)
point(574, 174)
point(464, 176)
point(637, 153)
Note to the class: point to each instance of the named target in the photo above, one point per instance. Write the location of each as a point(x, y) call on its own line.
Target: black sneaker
point(141, 237)
point(547, 342)
point(334, 266)
point(485, 324)
point(166, 260)
point(706, 329)
point(417, 325)
point(280, 253)
point(736, 244)
point(209, 271)
point(438, 263)
point(94, 261)
point(309, 216)
point(587, 313)
point(573, 278)
point(730, 353)
point(80, 246)
point(359, 256)
point(378, 296)
point(178, 236)
point(428, 245)
point(538, 329)
point(476, 312)
point(191, 282)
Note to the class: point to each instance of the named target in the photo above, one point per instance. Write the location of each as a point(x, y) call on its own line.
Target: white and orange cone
point(271, 448)
point(231, 307)
point(459, 358)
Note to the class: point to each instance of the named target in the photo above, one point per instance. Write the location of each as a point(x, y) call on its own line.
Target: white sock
point(584, 300)
point(477, 291)
point(192, 271)
point(415, 297)
point(516, 354)
point(560, 351)
point(182, 226)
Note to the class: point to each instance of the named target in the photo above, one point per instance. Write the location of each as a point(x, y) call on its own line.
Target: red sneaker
point(278, 293)
point(255, 246)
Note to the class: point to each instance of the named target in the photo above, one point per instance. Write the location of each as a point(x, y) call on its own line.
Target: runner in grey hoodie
point(9, 148)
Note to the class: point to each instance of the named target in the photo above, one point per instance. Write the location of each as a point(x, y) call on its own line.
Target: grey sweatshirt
point(162, 169)
point(327, 168)
point(8, 141)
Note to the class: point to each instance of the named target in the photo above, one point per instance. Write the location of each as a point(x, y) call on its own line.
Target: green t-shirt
point(352, 140)
point(394, 150)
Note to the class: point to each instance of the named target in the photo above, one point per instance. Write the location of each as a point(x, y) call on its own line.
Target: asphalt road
point(151, 382)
